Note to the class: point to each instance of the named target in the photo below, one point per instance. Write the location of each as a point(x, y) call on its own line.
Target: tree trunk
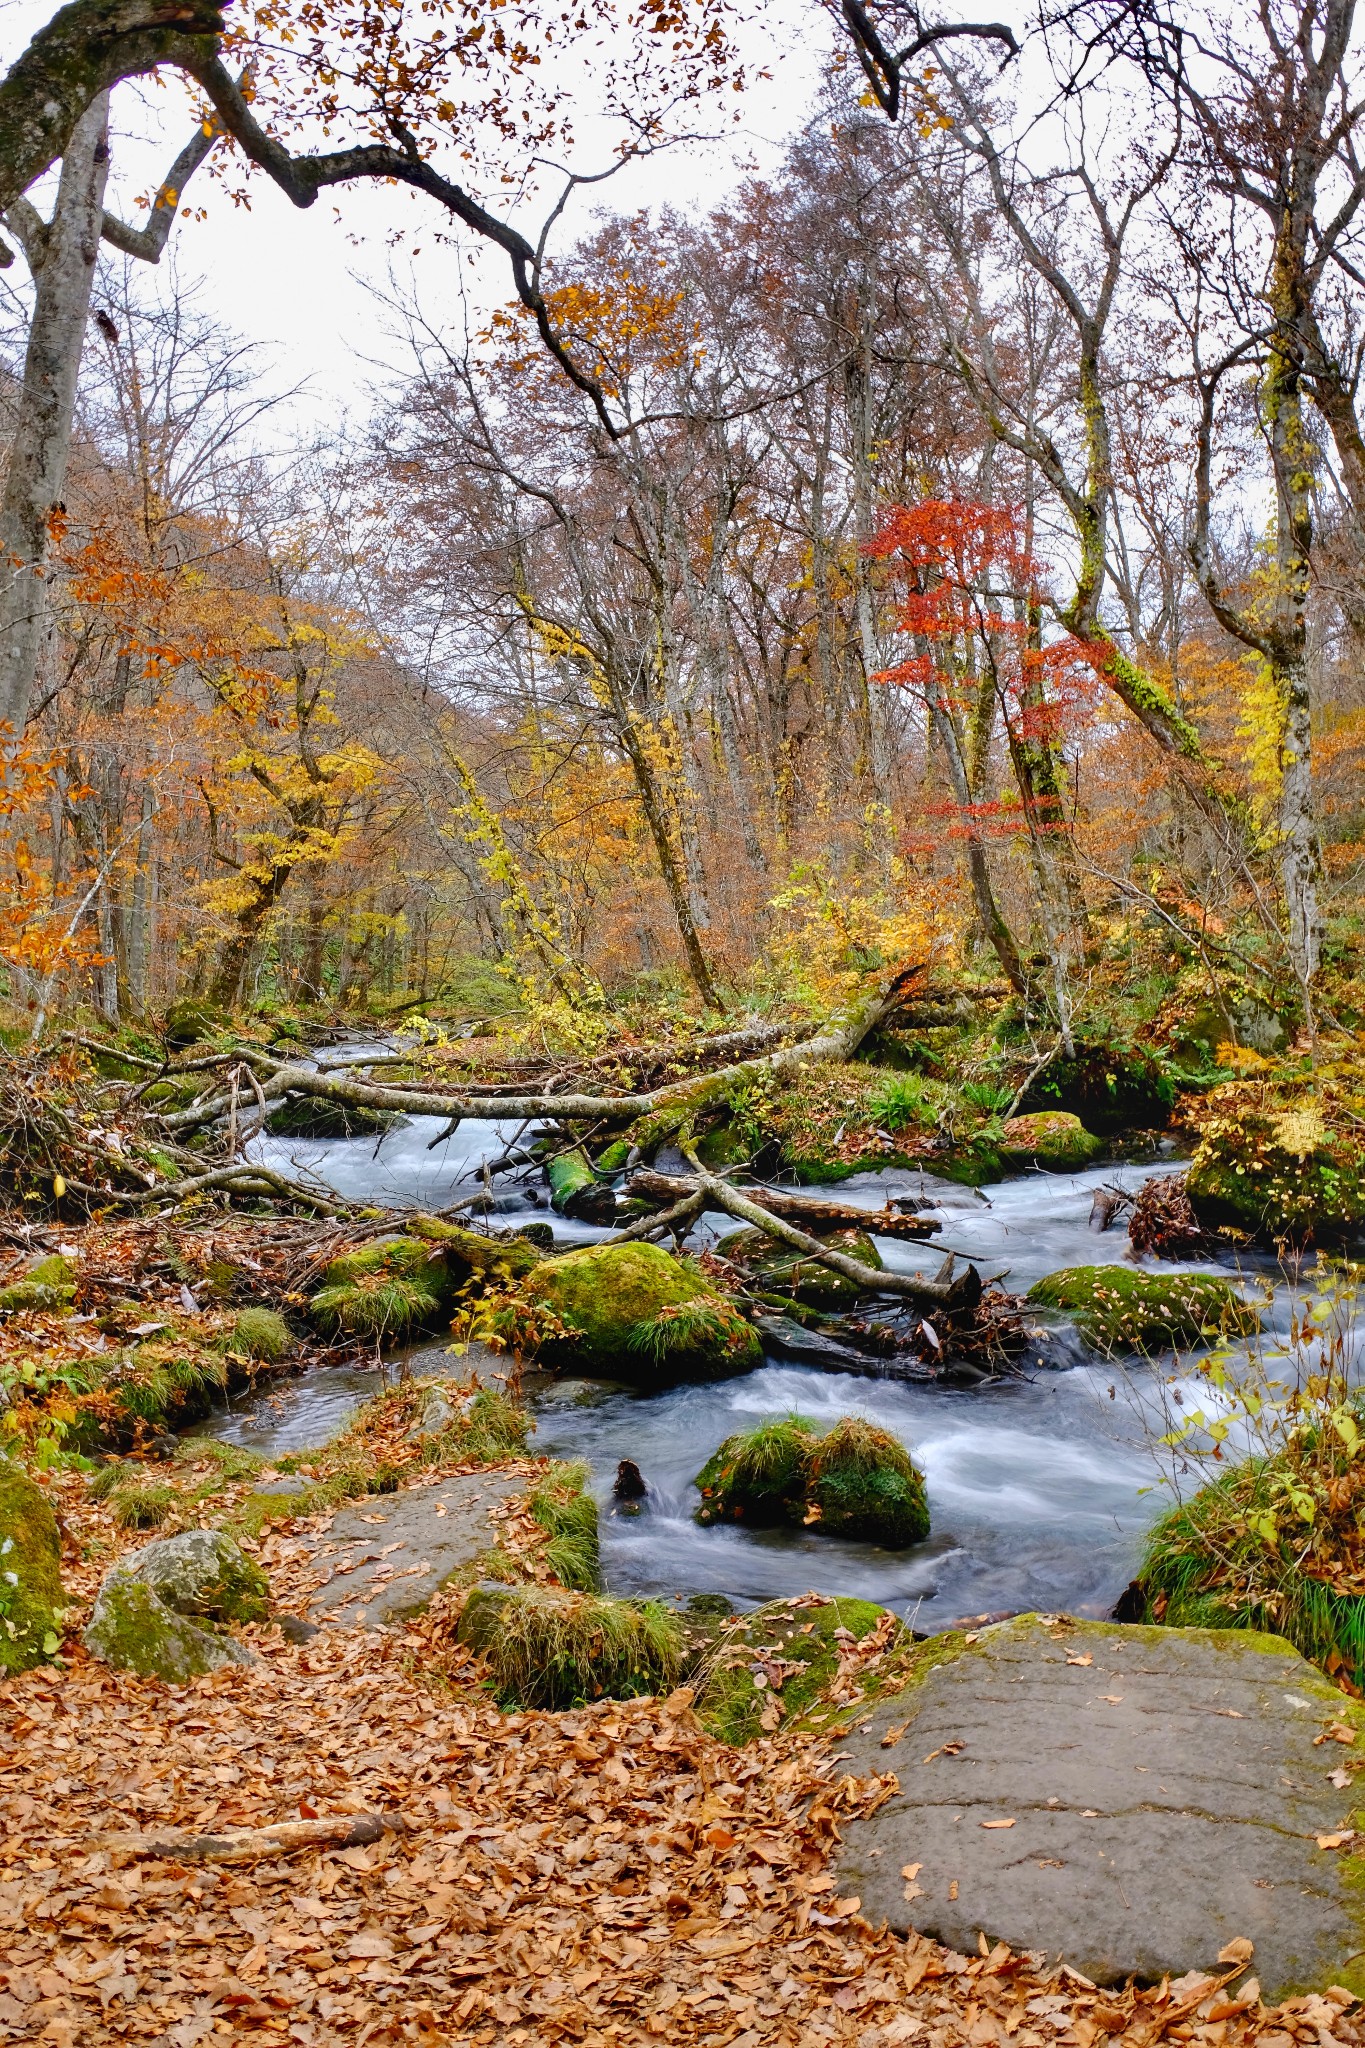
point(36, 477)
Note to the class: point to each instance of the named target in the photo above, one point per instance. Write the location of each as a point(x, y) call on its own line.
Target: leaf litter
point(611, 1875)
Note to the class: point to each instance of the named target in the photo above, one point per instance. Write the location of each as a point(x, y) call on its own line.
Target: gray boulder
point(163, 1611)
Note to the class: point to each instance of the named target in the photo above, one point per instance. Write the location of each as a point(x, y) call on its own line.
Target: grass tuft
point(547, 1647)
point(759, 1475)
point(567, 1512)
point(862, 1483)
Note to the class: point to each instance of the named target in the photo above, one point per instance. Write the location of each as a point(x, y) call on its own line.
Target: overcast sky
point(300, 282)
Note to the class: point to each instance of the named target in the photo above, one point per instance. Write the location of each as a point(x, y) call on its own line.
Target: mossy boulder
point(192, 1020)
point(1275, 1169)
point(758, 1476)
point(1050, 1138)
point(551, 1648)
point(163, 1612)
point(261, 1333)
point(49, 1284)
point(799, 1640)
point(316, 1116)
point(863, 1484)
point(778, 1269)
point(642, 1316)
point(384, 1290)
point(1110, 1085)
point(1122, 1308)
point(32, 1599)
point(857, 1482)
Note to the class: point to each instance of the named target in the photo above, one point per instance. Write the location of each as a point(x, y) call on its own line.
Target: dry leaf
point(996, 1823)
point(1338, 1840)
point(1072, 1658)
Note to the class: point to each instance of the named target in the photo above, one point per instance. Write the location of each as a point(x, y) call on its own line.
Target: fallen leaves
point(996, 1823)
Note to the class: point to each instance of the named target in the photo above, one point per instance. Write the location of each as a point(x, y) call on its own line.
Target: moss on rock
point(383, 1290)
point(759, 1475)
point(32, 1599)
point(49, 1284)
point(547, 1647)
point(862, 1483)
point(1122, 1308)
point(781, 1270)
point(192, 1020)
point(1050, 1138)
point(800, 1640)
point(621, 1301)
point(163, 1611)
point(857, 1481)
point(1275, 1168)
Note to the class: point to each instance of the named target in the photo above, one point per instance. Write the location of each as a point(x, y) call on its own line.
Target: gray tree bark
point(64, 257)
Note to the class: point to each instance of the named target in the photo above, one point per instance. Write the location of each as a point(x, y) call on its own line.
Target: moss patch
point(1277, 1165)
point(32, 1598)
point(778, 1269)
point(858, 1481)
point(788, 1652)
point(260, 1333)
point(1121, 1308)
point(1050, 1138)
point(384, 1290)
point(620, 1300)
point(550, 1648)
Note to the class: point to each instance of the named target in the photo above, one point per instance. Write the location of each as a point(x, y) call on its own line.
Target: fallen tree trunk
point(962, 1293)
point(813, 1212)
point(665, 1109)
point(248, 1845)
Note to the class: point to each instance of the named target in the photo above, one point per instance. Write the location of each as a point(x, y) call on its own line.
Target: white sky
point(298, 281)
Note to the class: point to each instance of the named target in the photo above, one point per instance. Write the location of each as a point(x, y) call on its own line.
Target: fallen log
point(248, 1845)
point(664, 1109)
point(961, 1293)
point(812, 1212)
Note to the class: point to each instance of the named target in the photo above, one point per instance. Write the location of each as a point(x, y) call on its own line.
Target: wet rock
point(857, 1482)
point(386, 1558)
point(1163, 1794)
point(630, 1482)
point(1050, 1138)
point(1122, 1308)
point(156, 1610)
point(295, 1629)
point(32, 1599)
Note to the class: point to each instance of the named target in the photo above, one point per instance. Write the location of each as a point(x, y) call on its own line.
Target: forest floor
point(613, 1874)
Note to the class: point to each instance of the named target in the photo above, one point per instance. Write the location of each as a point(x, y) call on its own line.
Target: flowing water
point(1040, 1488)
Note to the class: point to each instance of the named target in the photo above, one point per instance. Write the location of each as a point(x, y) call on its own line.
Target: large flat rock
point(388, 1554)
point(1164, 1791)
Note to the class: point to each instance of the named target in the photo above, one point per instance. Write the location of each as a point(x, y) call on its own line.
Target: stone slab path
point(1130, 1799)
point(386, 1555)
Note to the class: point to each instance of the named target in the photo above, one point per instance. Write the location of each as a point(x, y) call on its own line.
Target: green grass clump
point(792, 1647)
point(232, 1460)
point(106, 1479)
point(547, 1647)
point(380, 1305)
point(568, 1514)
point(142, 1507)
point(159, 1386)
point(863, 1484)
point(682, 1333)
point(492, 1427)
point(759, 1475)
point(899, 1100)
point(857, 1482)
point(1122, 1308)
point(260, 1333)
point(990, 1097)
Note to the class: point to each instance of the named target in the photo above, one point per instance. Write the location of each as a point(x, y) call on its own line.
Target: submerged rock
point(1122, 1308)
point(642, 1316)
point(32, 1599)
point(1020, 1756)
point(1050, 1138)
point(151, 1612)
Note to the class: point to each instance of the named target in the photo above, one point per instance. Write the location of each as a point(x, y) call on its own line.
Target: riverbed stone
point(386, 1556)
point(162, 1610)
point(1050, 1138)
point(1131, 1799)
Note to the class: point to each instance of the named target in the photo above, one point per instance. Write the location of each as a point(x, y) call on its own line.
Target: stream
point(1040, 1488)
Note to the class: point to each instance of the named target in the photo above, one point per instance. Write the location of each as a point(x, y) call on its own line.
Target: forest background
point(948, 544)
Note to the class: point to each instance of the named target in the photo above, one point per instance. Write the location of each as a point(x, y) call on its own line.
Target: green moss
point(857, 1482)
point(32, 1598)
point(759, 1475)
point(135, 1631)
point(1276, 1170)
point(49, 1284)
point(807, 1636)
point(260, 1333)
point(863, 1484)
point(232, 1461)
point(1121, 1308)
point(779, 1269)
point(469, 1252)
point(192, 1020)
point(1051, 1139)
point(550, 1648)
point(614, 1158)
point(564, 1508)
point(681, 1339)
point(606, 1293)
point(383, 1290)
